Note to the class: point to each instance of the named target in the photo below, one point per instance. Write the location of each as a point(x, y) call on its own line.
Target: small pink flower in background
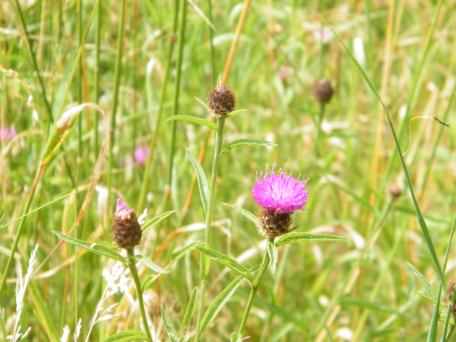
point(323, 35)
point(7, 133)
point(141, 154)
point(280, 193)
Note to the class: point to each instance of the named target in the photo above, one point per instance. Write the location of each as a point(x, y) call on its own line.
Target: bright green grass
point(320, 290)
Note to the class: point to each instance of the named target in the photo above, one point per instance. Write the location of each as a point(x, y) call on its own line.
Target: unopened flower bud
point(221, 100)
point(395, 191)
point(323, 91)
point(126, 229)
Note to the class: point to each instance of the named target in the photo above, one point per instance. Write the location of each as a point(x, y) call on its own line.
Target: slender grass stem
point(163, 93)
point(321, 117)
point(35, 63)
point(97, 76)
point(118, 75)
point(180, 59)
point(254, 288)
point(237, 35)
point(204, 261)
point(20, 227)
point(135, 276)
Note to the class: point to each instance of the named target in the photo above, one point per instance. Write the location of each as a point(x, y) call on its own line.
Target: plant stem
point(321, 117)
point(134, 274)
point(163, 91)
point(20, 228)
point(180, 58)
point(118, 74)
point(214, 171)
point(237, 36)
point(97, 76)
point(254, 288)
point(204, 260)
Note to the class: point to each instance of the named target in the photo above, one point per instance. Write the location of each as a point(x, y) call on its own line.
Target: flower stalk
point(254, 287)
point(135, 276)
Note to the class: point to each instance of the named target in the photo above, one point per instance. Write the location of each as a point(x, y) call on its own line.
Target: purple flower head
point(121, 206)
point(7, 133)
point(280, 193)
point(141, 154)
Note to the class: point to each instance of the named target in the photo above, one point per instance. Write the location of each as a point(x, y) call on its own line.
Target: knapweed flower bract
point(280, 195)
point(221, 100)
point(126, 229)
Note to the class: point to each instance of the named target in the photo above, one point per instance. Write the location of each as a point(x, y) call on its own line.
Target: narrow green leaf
point(246, 213)
point(169, 327)
point(432, 333)
point(219, 302)
point(203, 184)
point(152, 265)
point(201, 14)
point(419, 215)
point(193, 120)
point(190, 308)
point(95, 248)
point(126, 336)
point(248, 142)
point(157, 219)
point(298, 237)
point(225, 260)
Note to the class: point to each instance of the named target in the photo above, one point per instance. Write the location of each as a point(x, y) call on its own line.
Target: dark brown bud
point(275, 224)
point(323, 91)
point(221, 100)
point(126, 229)
point(395, 191)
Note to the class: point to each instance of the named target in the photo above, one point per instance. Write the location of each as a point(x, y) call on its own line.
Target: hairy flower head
point(280, 193)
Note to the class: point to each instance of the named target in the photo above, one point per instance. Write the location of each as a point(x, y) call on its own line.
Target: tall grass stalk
point(180, 59)
point(118, 75)
point(97, 74)
point(163, 92)
point(254, 287)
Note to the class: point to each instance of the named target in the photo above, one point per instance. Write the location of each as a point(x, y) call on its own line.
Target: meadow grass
point(85, 83)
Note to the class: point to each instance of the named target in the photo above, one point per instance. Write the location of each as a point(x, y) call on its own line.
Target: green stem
point(204, 261)
point(214, 172)
point(180, 59)
point(155, 134)
point(20, 227)
point(254, 288)
point(97, 76)
point(134, 274)
point(118, 74)
point(321, 117)
point(35, 64)
point(211, 42)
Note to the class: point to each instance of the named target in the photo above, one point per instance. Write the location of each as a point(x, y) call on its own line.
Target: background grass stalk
point(163, 92)
point(20, 227)
point(254, 288)
point(204, 260)
point(118, 75)
point(180, 58)
point(135, 276)
point(97, 75)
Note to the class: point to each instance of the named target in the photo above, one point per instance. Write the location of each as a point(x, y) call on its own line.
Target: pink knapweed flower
point(125, 227)
point(7, 133)
point(280, 193)
point(141, 154)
